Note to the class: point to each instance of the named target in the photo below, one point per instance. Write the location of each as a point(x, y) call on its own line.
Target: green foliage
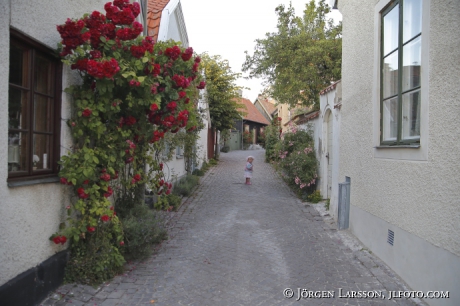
point(296, 159)
point(225, 149)
point(315, 197)
point(213, 162)
point(261, 139)
point(142, 229)
point(327, 204)
point(303, 57)
point(185, 185)
point(221, 91)
point(248, 136)
point(272, 136)
point(168, 202)
point(133, 94)
point(95, 258)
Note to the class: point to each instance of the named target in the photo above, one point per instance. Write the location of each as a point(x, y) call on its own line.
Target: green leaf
point(96, 160)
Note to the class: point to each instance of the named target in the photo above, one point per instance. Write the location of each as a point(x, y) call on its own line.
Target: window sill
point(31, 182)
point(399, 147)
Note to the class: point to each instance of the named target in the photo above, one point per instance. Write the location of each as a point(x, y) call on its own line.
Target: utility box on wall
point(344, 204)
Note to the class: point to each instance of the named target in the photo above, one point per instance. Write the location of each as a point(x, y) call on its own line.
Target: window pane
point(18, 66)
point(17, 108)
point(43, 76)
point(390, 75)
point(411, 115)
point(42, 114)
point(17, 151)
point(411, 64)
point(390, 30)
point(390, 119)
point(412, 15)
point(41, 155)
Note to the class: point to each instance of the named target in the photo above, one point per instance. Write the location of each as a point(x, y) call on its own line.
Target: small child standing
point(248, 170)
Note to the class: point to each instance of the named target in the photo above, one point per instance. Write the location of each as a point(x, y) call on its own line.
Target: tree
point(299, 60)
point(221, 91)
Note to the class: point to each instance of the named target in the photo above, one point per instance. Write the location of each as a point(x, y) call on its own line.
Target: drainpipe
point(242, 130)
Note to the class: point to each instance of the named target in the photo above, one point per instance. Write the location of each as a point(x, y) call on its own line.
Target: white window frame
point(413, 152)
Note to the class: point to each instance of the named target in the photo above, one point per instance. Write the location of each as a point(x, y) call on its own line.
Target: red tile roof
point(329, 88)
point(251, 112)
point(269, 106)
point(154, 9)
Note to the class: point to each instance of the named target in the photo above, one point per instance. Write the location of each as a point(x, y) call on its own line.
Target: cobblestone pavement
point(237, 244)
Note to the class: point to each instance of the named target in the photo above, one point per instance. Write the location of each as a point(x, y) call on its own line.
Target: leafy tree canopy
point(221, 91)
point(299, 60)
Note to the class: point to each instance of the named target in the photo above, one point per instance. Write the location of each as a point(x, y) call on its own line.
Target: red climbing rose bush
point(133, 92)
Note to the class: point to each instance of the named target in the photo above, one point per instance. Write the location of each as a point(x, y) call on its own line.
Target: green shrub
point(297, 161)
point(168, 202)
point(328, 204)
point(94, 257)
point(142, 229)
point(212, 162)
point(225, 149)
point(315, 197)
point(198, 172)
point(185, 185)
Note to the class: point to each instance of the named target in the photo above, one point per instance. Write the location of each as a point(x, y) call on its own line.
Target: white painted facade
point(413, 192)
point(328, 148)
point(172, 26)
point(31, 214)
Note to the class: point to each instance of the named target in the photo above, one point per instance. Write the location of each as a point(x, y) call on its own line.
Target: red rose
point(86, 182)
point(137, 177)
point(187, 54)
point(202, 85)
point(91, 229)
point(162, 182)
point(86, 112)
point(156, 70)
point(161, 166)
point(130, 120)
point(171, 106)
point(122, 243)
point(197, 59)
point(173, 53)
point(182, 94)
point(105, 177)
point(168, 191)
point(129, 160)
point(105, 218)
point(64, 181)
point(187, 100)
point(153, 107)
point(108, 193)
point(57, 239)
point(116, 175)
point(63, 239)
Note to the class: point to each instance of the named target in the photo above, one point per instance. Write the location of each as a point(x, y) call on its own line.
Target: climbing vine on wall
point(133, 92)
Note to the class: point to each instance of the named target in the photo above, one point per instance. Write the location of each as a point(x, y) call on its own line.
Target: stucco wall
point(420, 196)
point(31, 214)
point(327, 102)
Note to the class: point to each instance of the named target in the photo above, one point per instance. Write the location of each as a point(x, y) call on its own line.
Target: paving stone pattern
point(237, 244)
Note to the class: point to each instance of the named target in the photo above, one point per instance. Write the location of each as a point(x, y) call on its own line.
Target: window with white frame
point(400, 90)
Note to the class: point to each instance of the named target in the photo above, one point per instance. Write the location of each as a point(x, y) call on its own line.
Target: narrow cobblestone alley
point(234, 244)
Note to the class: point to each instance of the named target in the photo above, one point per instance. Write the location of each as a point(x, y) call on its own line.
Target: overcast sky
point(228, 28)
